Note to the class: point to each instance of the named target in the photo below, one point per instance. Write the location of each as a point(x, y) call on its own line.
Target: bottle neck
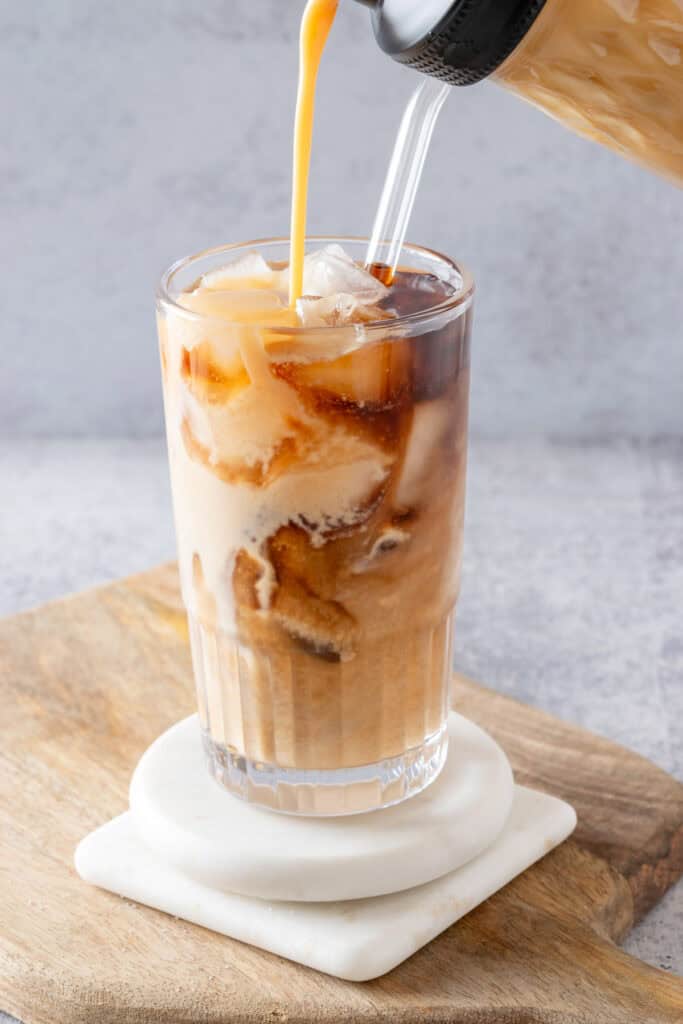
point(458, 41)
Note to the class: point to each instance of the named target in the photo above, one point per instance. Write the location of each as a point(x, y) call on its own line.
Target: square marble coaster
point(355, 939)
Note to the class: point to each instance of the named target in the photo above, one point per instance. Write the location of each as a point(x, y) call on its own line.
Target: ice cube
point(337, 310)
point(250, 270)
point(331, 271)
point(368, 375)
point(431, 423)
point(247, 305)
point(225, 309)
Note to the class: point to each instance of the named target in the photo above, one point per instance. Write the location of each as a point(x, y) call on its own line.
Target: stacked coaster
point(351, 896)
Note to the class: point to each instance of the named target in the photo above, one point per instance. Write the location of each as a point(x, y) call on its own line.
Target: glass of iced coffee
point(317, 457)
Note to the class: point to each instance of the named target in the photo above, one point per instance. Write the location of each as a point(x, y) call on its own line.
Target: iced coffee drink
point(317, 456)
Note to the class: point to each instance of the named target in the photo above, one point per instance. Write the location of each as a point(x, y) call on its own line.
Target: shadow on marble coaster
point(188, 821)
point(356, 940)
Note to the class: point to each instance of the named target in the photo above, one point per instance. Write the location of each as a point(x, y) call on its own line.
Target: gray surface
point(573, 578)
point(135, 133)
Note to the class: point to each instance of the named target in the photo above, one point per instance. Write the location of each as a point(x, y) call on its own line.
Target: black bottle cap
point(458, 41)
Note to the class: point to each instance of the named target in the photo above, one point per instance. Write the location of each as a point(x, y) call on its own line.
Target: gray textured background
point(136, 133)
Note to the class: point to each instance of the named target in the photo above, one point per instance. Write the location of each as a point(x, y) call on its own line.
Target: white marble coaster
point(356, 940)
point(190, 823)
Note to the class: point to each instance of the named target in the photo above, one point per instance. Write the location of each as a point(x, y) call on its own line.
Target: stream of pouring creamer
point(315, 26)
point(405, 168)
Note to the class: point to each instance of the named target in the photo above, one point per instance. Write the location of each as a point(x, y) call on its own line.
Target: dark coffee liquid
point(411, 291)
point(436, 356)
point(415, 292)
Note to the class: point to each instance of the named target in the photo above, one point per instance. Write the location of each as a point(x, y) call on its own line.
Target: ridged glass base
point(329, 793)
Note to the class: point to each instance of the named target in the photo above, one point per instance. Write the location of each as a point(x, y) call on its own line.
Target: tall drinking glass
point(318, 478)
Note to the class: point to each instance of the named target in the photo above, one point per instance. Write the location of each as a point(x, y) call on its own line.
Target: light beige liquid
point(611, 70)
point(315, 26)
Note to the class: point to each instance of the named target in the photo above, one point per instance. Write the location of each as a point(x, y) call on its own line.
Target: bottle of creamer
point(611, 70)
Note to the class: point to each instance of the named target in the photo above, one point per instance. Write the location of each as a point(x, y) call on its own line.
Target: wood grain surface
point(87, 684)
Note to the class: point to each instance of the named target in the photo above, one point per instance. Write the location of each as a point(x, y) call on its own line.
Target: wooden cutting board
point(87, 684)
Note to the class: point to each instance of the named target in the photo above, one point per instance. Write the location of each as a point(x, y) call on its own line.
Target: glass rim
point(461, 300)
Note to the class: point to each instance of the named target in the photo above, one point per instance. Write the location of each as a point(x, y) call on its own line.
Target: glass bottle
point(611, 70)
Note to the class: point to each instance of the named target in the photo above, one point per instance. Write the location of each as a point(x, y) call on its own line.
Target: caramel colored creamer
point(611, 70)
point(315, 26)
